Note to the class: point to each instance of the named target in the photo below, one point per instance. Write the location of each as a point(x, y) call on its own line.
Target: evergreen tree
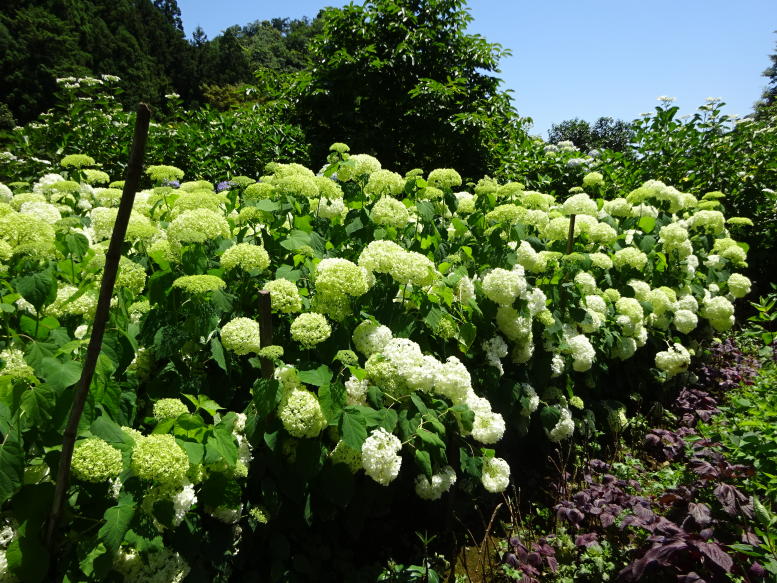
point(769, 96)
point(402, 79)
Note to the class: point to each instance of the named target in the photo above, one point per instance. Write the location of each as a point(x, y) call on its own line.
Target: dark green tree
point(769, 96)
point(402, 80)
point(606, 133)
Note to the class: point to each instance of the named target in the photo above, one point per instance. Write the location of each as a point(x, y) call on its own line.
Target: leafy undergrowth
point(692, 503)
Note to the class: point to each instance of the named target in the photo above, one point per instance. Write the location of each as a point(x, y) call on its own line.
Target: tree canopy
point(403, 80)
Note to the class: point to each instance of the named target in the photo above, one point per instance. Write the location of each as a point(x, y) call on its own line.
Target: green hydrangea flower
point(199, 284)
point(246, 256)
point(241, 336)
point(444, 178)
point(76, 161)
point(169, 409)
point(284, 296)
point(162, 173)
point(310, 329)
point(95, 460)
point(158, 458)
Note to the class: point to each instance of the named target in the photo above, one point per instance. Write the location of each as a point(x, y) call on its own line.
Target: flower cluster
point(379, 456)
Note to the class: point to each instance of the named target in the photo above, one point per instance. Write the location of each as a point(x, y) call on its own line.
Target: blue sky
point(590, 58)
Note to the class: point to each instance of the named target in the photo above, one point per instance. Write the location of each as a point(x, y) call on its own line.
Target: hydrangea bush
point(417, 323)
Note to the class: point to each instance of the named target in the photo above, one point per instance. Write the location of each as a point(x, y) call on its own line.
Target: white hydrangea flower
point(440, 484)
point(356, 391)
point(379, 456)
point(496, 475)
point(564, 427)
point(673, 361)
point(370, 337)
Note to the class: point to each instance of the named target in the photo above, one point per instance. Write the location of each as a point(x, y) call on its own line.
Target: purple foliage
point(689, 527)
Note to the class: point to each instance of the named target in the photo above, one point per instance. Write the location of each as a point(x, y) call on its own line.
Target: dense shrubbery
point(416, 326)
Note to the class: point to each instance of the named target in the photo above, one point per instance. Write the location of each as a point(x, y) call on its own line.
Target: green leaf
point(332, 399)
point(11, 464)
point(110, 431)
point(265, 205)
point(58, 374)
point(353, 428)
point(317, 377)
point(288, 272)
point(354, 225)
point(424, 462)
point(647, 224)
point(221, 447)
point(267, 395)
point(38, 402)
point(40, 289)
point(117, 520)
point(195, 451)
point(425, 210)
point(217, 352)
point(296, 240)
point(430, 439)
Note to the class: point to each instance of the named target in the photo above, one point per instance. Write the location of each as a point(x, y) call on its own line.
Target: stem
point(100, 320)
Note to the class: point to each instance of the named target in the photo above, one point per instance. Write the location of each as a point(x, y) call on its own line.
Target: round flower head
point(685, 321)
point(673, 361)
point(331, 208)
point(580, 204)
point(158, 458)
point(444, 178)
point(169, 409)
point(496, 475)
point(310, 329)
point(241, 336)
point(245, 256)
point(197, 226)
point(76, 161)
point(593, 181)
point(297, 185)
point(370, 337)
point(502, 286)
point(379, 456)
point(384, 183)
point(340, 277)
point(738, 285)
point(488, 427)
point(465, 203)
point(96, 176)
point(152, 567)
point(389, 212)
point(379, 256)
point(440, 484)
point(14, 364)
point(357, 165)
point(617, 207)
point(41, 210)
point(259, 191)
point(582, 352)
point(344, 454)
point(199, 284)
point(564, 427)
point(720, 313)
point(284, 296)
point(629, 257)
point(164, 173)
point(300, 413)
point(95, 460)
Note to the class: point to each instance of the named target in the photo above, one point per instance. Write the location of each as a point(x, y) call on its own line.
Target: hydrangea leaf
point(40, 289)
point(317, 377)
point(353, 428)
point(117, 520)
point(58, 374)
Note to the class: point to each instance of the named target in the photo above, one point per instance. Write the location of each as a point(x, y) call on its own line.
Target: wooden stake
point(100, 319)
point(265, 331)
point(571, 237)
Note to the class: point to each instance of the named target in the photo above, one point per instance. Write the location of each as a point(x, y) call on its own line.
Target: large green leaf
point(11, 464)
point(317, 377)
point(38, 403)
point(58, 374)
point(221, 447)
point(117, 520)
point(353, 428)
point(40, 289)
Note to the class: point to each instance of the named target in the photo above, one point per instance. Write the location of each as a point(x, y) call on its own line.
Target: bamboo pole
point(571, 236)
point(112, 258)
